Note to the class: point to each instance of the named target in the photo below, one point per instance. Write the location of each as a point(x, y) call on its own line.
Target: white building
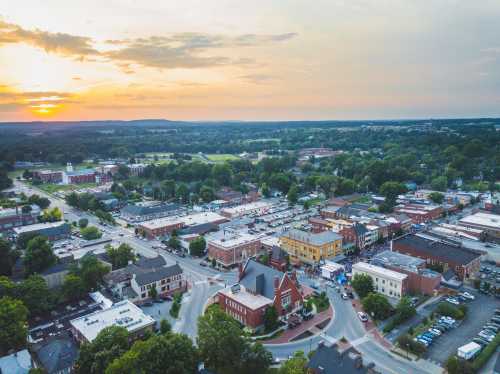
point(124, 314)
point(257, 207)
point(387, 282)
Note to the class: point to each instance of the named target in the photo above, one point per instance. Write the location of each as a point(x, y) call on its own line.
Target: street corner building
point(259, 288)
point(309, 247)
point(124, 314)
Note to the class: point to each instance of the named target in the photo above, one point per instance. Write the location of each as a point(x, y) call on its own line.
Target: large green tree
point(362, 284)
point(6, 257)
point(35, 294)
point(73, 287)
point(225, 350)
point(111, 343)
point(163, 354)
point(377, 306)
point(120, 256)
point(294, 365)
point(197, 246)
point(91, 271)
point(39, 255)
point(13, 325)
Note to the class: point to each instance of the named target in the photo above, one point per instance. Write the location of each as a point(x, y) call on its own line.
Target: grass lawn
point(52, 188)
point(222, 157)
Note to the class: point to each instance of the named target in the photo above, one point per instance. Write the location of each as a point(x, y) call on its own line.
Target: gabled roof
point(157, 274)
point(360, 229)
point(58, 354)
point(328, 360)
point(259, 278)
point(277, 253)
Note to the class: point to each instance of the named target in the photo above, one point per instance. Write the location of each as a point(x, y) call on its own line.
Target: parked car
point(481, 341)
point(421, 341)
point(468, 295)
point(435, 331)
point(486, 335)
point(452, 301)
point(344, 296)
point(495, 319)
point(363, 317)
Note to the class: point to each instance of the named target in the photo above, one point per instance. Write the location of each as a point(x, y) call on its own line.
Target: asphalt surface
point(206, 281)
point(479, 313)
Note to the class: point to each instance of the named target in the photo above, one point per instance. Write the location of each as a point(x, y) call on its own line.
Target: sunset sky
point(248, 60)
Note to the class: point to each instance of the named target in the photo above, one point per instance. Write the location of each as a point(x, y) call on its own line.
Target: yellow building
point(309, 247)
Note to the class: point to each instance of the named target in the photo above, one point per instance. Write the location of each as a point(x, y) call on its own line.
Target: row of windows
point(163, 281)
point(236, 306)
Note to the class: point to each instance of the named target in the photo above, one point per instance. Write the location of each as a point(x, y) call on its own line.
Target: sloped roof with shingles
point(259, 278)
point(157, 274)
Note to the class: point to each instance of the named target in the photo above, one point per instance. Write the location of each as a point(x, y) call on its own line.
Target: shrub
point(447, 309)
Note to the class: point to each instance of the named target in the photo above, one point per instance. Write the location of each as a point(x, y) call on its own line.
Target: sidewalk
point(310, 326)
point(371, 328)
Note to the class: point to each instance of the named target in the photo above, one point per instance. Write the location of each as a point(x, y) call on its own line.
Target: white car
point(452, 301)
point(486, 335)
point(435, 331)
point(468, 295)
point(363, 317)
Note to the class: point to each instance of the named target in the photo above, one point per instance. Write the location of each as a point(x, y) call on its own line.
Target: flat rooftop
point(397, 259)
point(38, 226)
point(124, 314)
point(188, 220)
point(321, 238)
point(246, 298)
point(435, 247)
point(245, 208)
point(379, 271)
point(483, 219)
point(225, 239)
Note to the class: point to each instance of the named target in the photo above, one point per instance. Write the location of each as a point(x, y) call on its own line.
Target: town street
point(205, 282)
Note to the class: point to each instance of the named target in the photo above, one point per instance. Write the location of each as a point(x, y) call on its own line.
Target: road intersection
point(205, 282)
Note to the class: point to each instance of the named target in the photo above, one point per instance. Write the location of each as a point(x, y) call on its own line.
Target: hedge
point(486, 353)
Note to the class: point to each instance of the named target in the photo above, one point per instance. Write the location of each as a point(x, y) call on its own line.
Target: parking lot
point(159, 311)
point(479, 313)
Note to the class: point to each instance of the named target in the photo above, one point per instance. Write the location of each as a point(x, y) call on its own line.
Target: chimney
point(294, 276)
point(276, 283)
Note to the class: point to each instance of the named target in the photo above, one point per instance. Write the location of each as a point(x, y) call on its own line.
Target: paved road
point(204, 281)
point(345, 323)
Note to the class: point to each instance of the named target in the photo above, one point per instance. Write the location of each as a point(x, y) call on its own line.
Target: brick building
point(258, 288)
point(230, 248)
point(163, 226)
point(420, 279)
point(48, 176)
point(14, 217)
point(464, 262)
point(420, 213)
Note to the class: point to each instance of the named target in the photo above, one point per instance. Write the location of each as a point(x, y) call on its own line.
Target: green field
point(222, 157)
point(52, 188)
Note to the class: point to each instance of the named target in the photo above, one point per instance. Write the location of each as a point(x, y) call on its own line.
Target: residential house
point(330, 359)
point(135, 281)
